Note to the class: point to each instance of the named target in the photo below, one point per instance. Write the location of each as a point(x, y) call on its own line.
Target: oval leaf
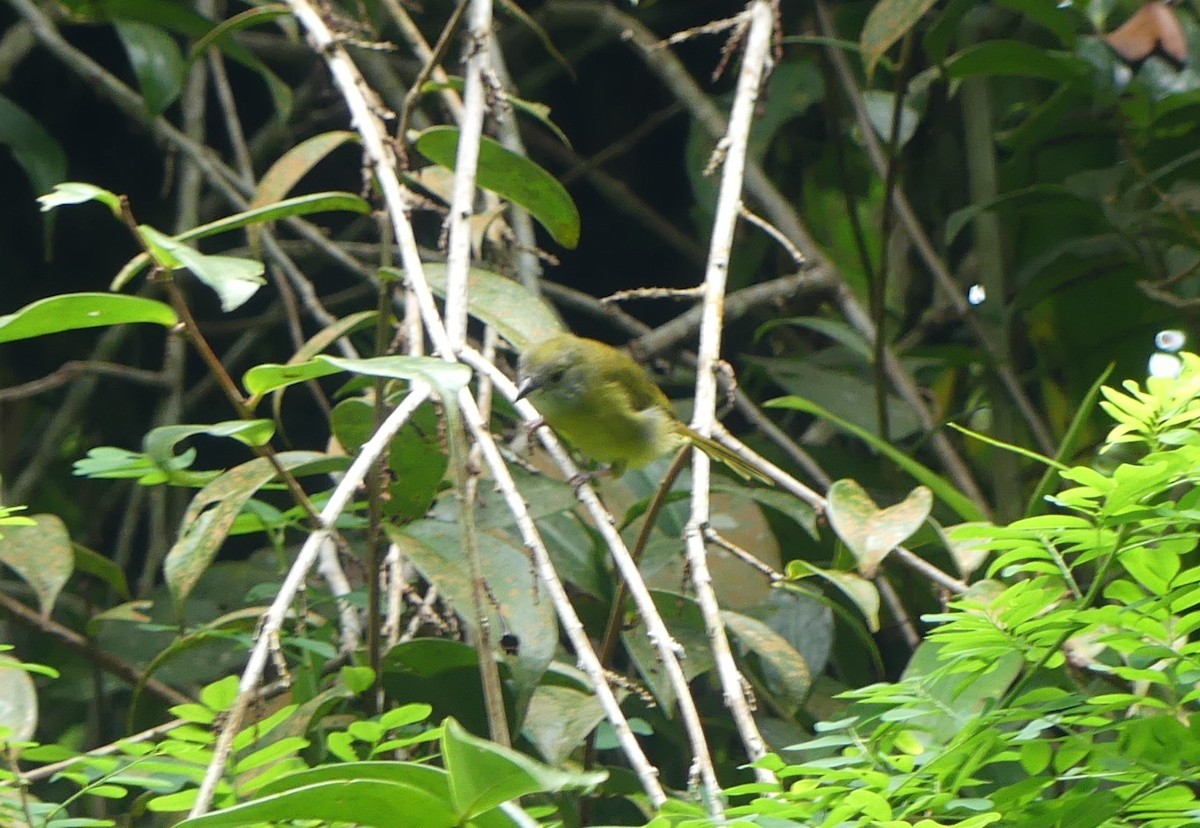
point(517, 313)
point(157, 62)
point(18, 701)
point(859, 590)
point(40, 156)
point(512, 176)
point(997, 58)
point(889, 21)
point(785, 669)
point(75, 311)
point(360, 801)
point(41, 554)
point(484, 774)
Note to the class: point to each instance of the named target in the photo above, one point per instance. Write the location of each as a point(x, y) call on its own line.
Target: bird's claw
point(580, 479)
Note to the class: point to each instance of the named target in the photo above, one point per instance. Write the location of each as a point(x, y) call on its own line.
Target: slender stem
point(734, 146)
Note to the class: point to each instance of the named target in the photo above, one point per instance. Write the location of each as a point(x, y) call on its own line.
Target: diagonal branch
point(755, 63)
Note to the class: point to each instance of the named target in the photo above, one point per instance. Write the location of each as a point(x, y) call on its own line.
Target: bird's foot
point(580, 479)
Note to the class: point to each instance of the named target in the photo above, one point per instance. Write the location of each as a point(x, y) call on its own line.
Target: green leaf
point(785, 670)
point(18, 702)
point(418, 462)
point(159, 444)
point(205, 526)
point(157, 62)
point(262, 379)
point(77, 192)
point(244, 20)
point(290, 168)
point(957, 698)
point(1069, 443)
point(76, 311)
point(868, 531)
point(367, 802)
point(98, 566)
point(1015, 449)
point(233, 279)
point(41, 555)
point(302, 205)
point(112, 463)
point(559, 719)
point(513, 177)
point(179, 18)
point(861, 592)
point(517, 313)
point(435, 548)
point(1050, 15)
point(40, 156)
point(1008, 58)
point(889, 21)
point(687, 629)
point(941, 488)
point(484, 775)
point(447, 377)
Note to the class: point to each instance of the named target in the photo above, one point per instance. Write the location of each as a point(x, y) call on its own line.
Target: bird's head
point(553, 371)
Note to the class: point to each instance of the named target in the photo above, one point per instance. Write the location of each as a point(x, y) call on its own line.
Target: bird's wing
point(635, 382)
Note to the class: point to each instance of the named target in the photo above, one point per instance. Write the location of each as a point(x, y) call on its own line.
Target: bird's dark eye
point(556, 377)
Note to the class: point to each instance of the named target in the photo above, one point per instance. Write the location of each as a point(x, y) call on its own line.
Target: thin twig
point(779, 209)
point(430, 64)
point(70, 371)
point(89, 650)
point(920, 240)
point(272, 622)
point(678, 294)
point(379, 156)
point(755, 65)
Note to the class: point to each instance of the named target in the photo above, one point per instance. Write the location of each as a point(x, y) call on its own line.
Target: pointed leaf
point(76, 311)
point(298, 206)
point(889, 21)
point(559, 719)
point(859, 590)
point(76, 192)
point(447, 377)
point(18, 701)
point(366, 802)
point(39, 154)
point(484, 775)
point(243, 20)
point(159, 444)
point(205, 529)
point(517, 313)
point(292, 166)
point(41, 555)
point(156, 60)
point(233, 279)
point(785, 669)
point(513, 177)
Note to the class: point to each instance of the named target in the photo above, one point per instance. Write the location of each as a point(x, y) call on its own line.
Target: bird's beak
point(526, 387)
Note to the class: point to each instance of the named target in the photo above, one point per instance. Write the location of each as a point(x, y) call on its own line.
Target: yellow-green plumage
point(606, 405)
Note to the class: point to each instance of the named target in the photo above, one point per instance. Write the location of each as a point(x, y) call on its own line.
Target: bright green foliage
point(1059, 691)
point(356, 779)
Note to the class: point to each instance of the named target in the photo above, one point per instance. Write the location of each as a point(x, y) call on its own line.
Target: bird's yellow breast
point(602, 424)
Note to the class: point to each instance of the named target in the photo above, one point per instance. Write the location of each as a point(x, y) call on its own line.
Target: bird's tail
point(725, 455)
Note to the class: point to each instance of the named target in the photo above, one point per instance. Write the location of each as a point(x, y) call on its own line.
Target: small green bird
point(606, 405)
